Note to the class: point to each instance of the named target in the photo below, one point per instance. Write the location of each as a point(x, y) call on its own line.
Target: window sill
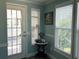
point(63, 53)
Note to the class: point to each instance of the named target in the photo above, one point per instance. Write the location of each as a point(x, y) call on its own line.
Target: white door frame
point(23, 29)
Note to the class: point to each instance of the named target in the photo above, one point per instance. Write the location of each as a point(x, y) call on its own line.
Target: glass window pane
point(63, 29)
point(19, 49)
point(35, 34)
point(9, 50)
point(63, 39)
point(35, 28)
point(14, 14)
point(19, 23)
point(78, 17)
point(8, 13)
point(18, 13)
point(9, 32)
point(35, 21)
point(35, 13)
point(14, 40)
point(14, 32)
point(19, 40)
point(18, 32)
point(14, 50)
point(8, 22)
point(14, 23)
point(9, 41)
point(63, 17)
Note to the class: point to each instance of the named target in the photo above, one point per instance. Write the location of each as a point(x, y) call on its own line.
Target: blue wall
point(3, 31)
point(48, 29)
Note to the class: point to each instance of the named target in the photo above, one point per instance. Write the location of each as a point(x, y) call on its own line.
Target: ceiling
point(38, 1)
point(41, 0)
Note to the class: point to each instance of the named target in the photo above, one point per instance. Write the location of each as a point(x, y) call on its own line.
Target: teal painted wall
point(49, 30)
point(3, 31)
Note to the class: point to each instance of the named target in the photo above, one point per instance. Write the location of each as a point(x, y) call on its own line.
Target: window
point(78, 17)
point(35, 20)
point(63, 28)
point(14, 30)
point(77, 32)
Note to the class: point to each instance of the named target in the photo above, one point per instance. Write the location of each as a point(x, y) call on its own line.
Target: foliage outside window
point(63, 28)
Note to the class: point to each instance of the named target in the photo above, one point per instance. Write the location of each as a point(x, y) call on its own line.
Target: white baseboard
point(52, 57)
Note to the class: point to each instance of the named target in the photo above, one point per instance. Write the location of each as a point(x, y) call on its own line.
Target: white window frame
point(55, 49)
point(38, 10)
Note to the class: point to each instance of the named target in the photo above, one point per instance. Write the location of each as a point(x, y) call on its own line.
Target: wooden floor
point(39, 56)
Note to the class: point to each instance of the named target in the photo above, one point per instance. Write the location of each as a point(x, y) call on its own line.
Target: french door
point(14, 30)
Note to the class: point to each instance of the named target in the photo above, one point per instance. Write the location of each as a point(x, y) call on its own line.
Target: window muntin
point(35, 20)
point(14, 31)
point(63, 28)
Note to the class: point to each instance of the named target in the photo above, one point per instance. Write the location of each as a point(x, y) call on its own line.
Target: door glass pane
point(8, 22)
point(14, 32)
point(35, 13)
point(13, 14)
point(8, 13)
point(14, 49)
point(18, 13)
point(19, 40)
point(34, 21)
point(35, 28)
point(14, 40)
point(19, 23)
point(9, 32)
point(9, 41)
point(35, 17)
point(10, 50)
point(19, 32)
point(19, 48)
point(14, 22)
